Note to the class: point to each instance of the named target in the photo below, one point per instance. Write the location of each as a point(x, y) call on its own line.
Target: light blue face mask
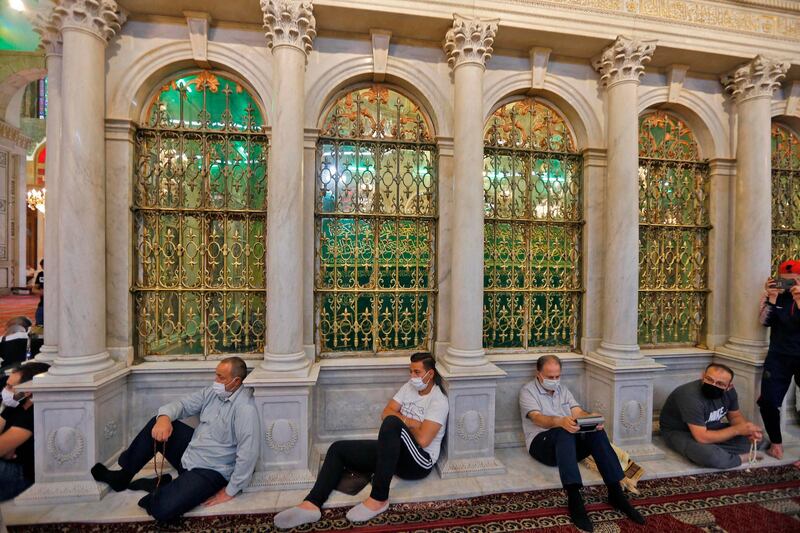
point(221, 390)
point(550, 384)
point(419, 383)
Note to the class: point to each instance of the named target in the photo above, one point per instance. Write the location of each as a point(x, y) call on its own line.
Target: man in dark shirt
point(16, 439)
point(691, 421)
point(780, 313)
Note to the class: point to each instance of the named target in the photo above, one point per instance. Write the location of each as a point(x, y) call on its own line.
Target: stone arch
point(12, 85)
point(706, 122)
point(575, 107)
point(127, 99)
point(416, 84)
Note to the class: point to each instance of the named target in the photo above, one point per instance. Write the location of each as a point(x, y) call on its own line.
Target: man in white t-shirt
point(408, 446)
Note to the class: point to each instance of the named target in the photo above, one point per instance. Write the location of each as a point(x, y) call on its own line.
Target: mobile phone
point(588, 424)
point(785, 284)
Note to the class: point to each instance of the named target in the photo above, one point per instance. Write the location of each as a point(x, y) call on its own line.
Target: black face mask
point(711, 392)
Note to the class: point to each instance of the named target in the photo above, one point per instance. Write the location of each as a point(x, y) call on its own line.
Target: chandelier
point(36, 199)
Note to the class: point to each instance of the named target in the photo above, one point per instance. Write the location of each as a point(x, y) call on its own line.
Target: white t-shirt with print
point(432, 406)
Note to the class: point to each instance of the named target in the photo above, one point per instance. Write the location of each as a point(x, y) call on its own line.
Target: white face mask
point(220, 389)
point(419, 383)
point(8, 398)
point(550, 384)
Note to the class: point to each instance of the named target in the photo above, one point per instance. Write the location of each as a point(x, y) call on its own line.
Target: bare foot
point(775, 450)
point(373, 504)
point(746, 457)
point(307, 505)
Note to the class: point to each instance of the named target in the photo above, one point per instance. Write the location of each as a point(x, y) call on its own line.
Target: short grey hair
point(238, 366)
point(543, 360)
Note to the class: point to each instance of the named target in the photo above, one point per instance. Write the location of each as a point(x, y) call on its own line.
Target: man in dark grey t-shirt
point(692, 421)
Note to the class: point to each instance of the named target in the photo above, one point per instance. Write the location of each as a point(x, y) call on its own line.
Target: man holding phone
point(780, 313)
point(553, 436)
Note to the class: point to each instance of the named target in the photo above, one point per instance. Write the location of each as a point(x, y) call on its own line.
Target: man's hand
point(219, 497)
point(748, 429)
point(772, 290)
point(162, 430)
point(569, 424)
point(410, 422)
point(795, 292)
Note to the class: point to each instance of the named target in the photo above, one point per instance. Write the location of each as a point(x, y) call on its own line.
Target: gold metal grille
point(673, 232)
point(785, 195)
point(199, 209)
point(532, 229)
point(376, 218)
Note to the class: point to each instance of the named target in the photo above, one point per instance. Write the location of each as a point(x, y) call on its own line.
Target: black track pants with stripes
point(394, 453)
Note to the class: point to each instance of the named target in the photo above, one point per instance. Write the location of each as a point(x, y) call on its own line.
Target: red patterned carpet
point(13, 305)
point(758, 501)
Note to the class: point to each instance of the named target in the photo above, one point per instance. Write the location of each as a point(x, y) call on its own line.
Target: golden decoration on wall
point(375, 218)
point(199, 208)
point(785, 195)
point(673, 233)
point(532, 229)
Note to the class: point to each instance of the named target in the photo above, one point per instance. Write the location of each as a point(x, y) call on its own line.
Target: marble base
point(77, 425)
point(624, 395)
point(284, 406)
point(469, 447)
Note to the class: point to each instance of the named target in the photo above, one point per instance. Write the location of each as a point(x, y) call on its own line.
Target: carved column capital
point(624, 60)
point(103, 18)
point(289, 23)
point(758, 78)
point(47, 27)
point(469, 41)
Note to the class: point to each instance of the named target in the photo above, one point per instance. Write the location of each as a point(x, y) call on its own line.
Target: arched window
point(376, 214)
point(533, 221)
point(785, 195)
point(673, 232)
point(199, 204)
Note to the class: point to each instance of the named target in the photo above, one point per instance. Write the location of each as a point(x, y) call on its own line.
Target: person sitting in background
point(38, 287)
point(14, 345)
point(408, 446)
point(215, 461)
point(549, 413)
point(16, 437)
point(691, 421)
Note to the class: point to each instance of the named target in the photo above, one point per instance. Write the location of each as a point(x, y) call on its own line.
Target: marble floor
point(523, 474)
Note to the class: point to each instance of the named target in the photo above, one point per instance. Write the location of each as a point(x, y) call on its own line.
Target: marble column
point(311, 135)
point(284, 383)
point(470, 379)
point(86, 29)
point(619, 380)
point(620, 67)
point(81, 403)
point(290, 29)
point(468, 46)
point(751, 86)
point(52, 46)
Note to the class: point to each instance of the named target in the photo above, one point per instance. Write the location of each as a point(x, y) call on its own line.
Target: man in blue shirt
point(215, 461)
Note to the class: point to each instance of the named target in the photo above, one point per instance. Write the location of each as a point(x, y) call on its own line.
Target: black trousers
point(779, 370)
point(558, 447)
point(190, 489)
point(394, 453)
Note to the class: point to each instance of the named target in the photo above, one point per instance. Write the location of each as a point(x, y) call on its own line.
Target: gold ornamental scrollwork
point(673, 233)
point(376, 213)
point(199, 209)
point(785, 195)
point(533, 224)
